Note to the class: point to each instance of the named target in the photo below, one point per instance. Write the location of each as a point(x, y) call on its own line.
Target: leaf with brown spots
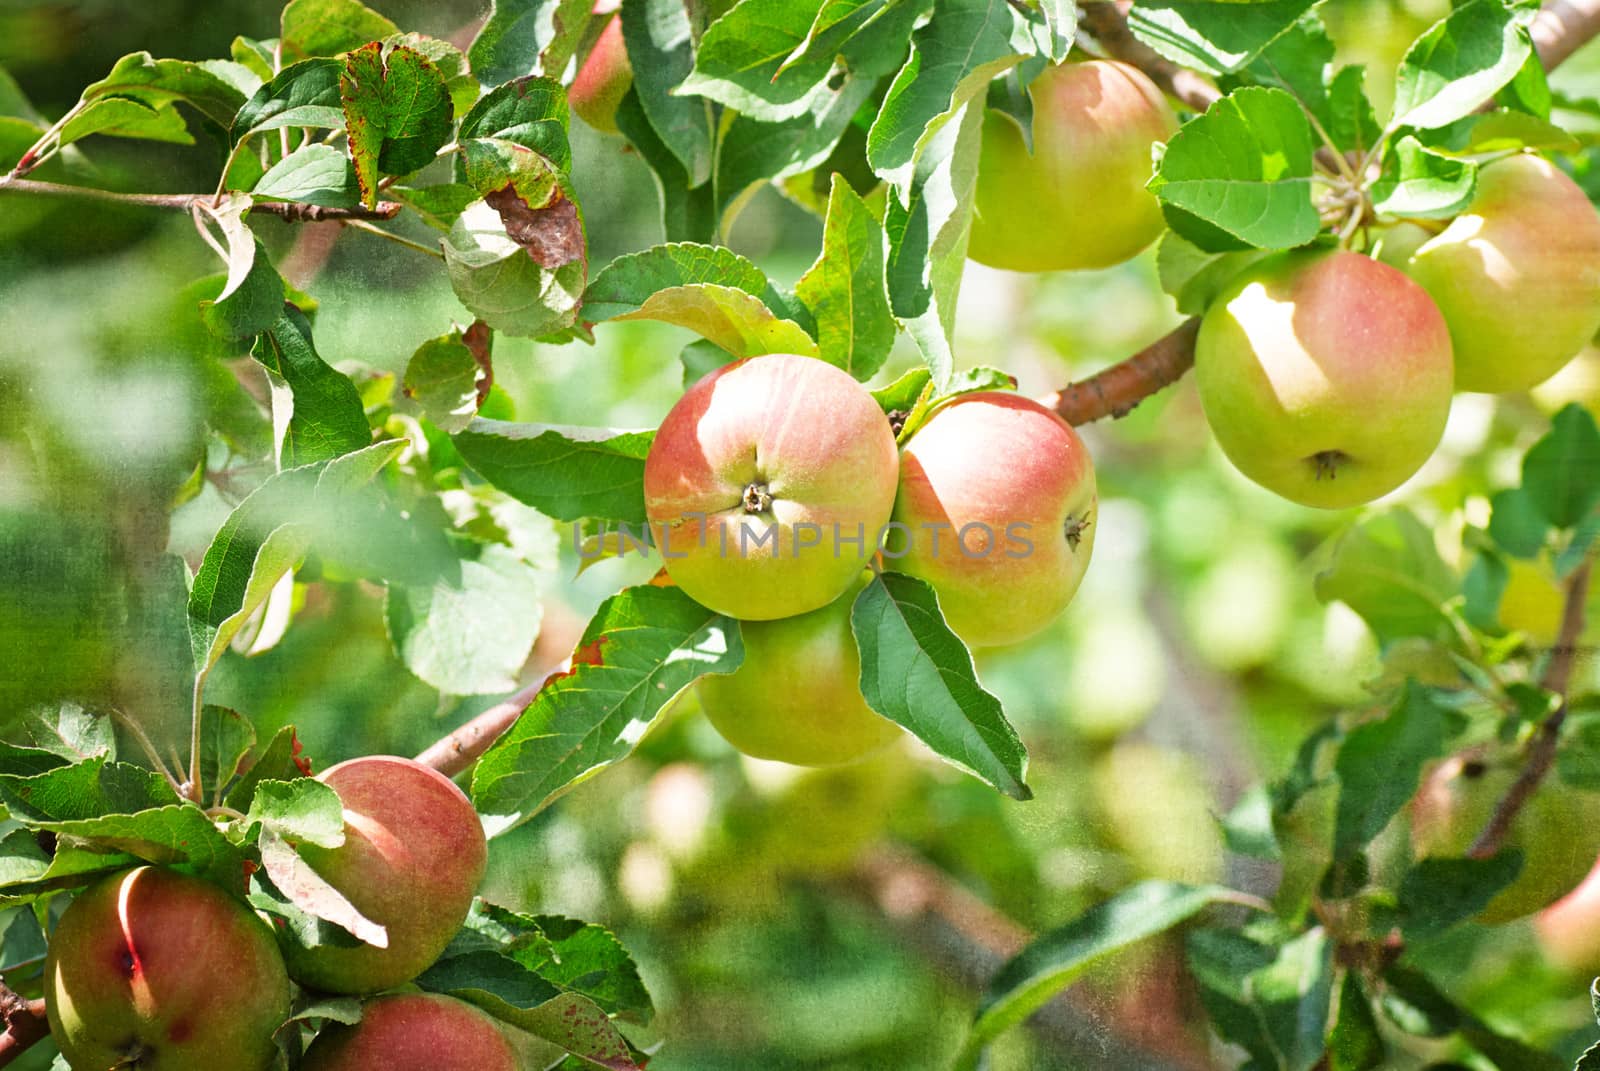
point(397, 112)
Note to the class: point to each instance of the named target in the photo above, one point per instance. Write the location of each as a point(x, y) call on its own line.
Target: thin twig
point(184, 202)
point(1116, 390)
point(1542, 752)
point(361, 225)
point(459, 750)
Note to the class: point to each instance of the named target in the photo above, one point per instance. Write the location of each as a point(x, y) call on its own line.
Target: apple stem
point(1542, 751)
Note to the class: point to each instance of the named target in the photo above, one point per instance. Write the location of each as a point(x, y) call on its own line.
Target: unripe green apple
point(1517, 275)
point(1398, 241)
point(157, 970)
point(413, 855)
point(768, 486)
point(1078, 200)
point(1569, 929)
point(1325, 376)
point(797, 696)
point(414, 1032)
point(997, 500)
point(1557, 830)
point(604, 77)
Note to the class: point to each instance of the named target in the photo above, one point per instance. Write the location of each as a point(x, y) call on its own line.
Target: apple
point(1569, 929)
point(768, 486)
point(154, 969)
point(797, 696)
point(1325, 376)
point(1557, 831)
point(1078, 200)
point(1517, 276)
point(1398, 241)
point(414, 1032)
point(997, 511)
point(604, 77)
point(413, 855)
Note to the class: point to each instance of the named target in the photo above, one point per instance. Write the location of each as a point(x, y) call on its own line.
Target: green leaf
point(312, 175)
point(1270, 998)
point(1194, 276)
point(688, 209)
point(439, 205)
point(397, 112)
point(1239, 174)
point(327, 418)
point(927, 232)
point(303, 810)
point(1059, 958)
point(501, 283)
point(627, 283)
point(159, 84)
point(1216, 38)
point(492, 164)
point(71, 732)
point(1437, 894)
point(1516, 523)
point(171, 835)
point(643, 646)
point(1380, 766)
point(531, 112)
point(264, 537)
point(251, 299)
point(469, 634)
point(566, 473)
point(329, 27)
point(275, 762)
point(1301, 61)
point(1387, 569)
point(954, 56)
point(661, 49)
point(1354, 1043)
point(575, 956)
point(120, 117)
point(737, 321)
point(305, 94)
point(755, 152)
point(770, 59)
point(1419, 182)
point(916, 673)
point(1460, 63)
point(442, 377)
point(500, 986)
point(523, 37)
point(905, 392)
point(226, 737)
point(845, 288)
point(1559, 474)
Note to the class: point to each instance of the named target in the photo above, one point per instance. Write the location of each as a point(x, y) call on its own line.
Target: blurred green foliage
point(1191, 664)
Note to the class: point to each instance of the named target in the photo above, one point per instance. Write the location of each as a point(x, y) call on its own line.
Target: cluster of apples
point(1326, 375)
point(153, 968)
point(775, 481)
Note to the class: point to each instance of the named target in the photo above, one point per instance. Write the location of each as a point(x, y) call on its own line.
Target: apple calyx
point(756, 498)
point(1327, 463)
point(1074, 527)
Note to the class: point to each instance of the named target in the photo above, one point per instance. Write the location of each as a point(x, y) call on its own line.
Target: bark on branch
point(1107, 22)
point(1116, 390)
point(454, 753)
point(25, 1024)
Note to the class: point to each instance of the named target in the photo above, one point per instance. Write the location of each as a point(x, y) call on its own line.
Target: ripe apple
point(413, 855)
point(414, 1032)
point(768, 486)
point(605, 75)
point(1517, 276)
point(154, 969)
point(797, 697)
point(997, 500)
point(1557, 831)
point(1078, 200)
point(1569, 929)
point(1325, 376)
